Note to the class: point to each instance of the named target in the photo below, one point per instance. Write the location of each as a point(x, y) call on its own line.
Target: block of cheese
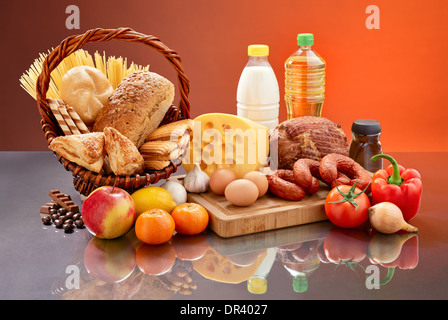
point(220, 140)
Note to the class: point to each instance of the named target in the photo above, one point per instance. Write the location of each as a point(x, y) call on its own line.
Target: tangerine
point(154, 226)
point(190, 218)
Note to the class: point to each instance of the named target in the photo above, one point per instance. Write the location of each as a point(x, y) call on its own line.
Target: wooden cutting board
point(267, 213)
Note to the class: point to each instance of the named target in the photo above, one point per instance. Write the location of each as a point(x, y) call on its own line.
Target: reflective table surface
point(313, 261)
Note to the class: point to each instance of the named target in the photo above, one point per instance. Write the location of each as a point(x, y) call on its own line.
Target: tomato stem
point(350, 196)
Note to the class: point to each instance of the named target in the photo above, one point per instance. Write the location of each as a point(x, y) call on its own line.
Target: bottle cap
point(258, 50)
point(305, 39)
point(366, 127)
point(300, 283)
point(257, 285)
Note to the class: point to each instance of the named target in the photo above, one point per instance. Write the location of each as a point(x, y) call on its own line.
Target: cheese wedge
point(221, 140)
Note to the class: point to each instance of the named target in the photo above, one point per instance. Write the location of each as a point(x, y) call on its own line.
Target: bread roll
point(86, 90)
point(137, 106)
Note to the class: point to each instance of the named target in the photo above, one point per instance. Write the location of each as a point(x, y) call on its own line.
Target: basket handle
point(73, 43)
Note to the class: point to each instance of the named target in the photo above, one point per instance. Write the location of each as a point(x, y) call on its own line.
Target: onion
point(387, 218)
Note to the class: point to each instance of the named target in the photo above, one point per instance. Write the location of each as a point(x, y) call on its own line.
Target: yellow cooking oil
point(304, 80)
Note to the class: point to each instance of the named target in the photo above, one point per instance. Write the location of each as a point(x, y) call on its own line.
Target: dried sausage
point(306, 174)
point(282, 184)
point(337, 169)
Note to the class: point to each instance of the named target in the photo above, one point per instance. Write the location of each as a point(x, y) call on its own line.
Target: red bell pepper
point(398, 185)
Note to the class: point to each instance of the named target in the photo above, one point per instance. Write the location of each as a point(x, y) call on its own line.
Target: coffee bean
point(46, 220)
point(62, 211)
point(53, 211)
point(68, 221)
point(77, 216)
point(58, 223)
point(54, 216)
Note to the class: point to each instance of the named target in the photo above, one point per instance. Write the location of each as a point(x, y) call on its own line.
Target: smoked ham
point(306, 137)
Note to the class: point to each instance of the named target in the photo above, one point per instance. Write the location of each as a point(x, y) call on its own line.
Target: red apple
point(108, 212)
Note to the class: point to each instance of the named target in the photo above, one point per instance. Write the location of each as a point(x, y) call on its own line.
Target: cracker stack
point(166, 143)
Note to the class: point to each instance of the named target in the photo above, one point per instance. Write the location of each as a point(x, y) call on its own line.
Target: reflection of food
point(346, 245)
point(155, 260)
point(137, 286)
point(387, 248)
point(110, 260)
point(246, 258)
point(301, 260)
point(216, 267)
point(190, 247)
point(179, 279)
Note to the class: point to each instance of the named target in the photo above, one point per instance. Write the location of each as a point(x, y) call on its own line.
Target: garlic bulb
point(196, 181)
point(177, 191)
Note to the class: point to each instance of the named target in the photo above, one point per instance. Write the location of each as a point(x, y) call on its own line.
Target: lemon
point(153, 198)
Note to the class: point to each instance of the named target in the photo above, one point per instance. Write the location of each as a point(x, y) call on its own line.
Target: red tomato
point(347, 206)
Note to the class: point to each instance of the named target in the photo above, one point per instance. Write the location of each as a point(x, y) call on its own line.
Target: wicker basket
point(86, 181)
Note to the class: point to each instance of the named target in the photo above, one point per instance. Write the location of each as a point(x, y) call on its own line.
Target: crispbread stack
point(166, 143)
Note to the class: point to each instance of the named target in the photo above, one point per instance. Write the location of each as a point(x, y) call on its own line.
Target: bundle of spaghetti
point(115, 70)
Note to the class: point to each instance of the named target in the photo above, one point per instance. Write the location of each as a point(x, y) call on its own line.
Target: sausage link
point(306, 174)
point(281, 183)
point(337, 169)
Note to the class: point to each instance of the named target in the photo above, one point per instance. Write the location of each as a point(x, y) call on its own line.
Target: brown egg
point(260, 181)
point(241, 192)
point(220, 179)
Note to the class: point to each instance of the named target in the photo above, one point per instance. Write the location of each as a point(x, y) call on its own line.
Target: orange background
point(396, 75)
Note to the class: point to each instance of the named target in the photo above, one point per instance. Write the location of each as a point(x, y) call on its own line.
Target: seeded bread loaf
point(137, 106)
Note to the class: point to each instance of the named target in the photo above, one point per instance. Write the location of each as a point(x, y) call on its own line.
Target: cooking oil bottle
point(304, 80)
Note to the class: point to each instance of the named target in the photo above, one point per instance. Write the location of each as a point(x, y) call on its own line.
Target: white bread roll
point(86, 90)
